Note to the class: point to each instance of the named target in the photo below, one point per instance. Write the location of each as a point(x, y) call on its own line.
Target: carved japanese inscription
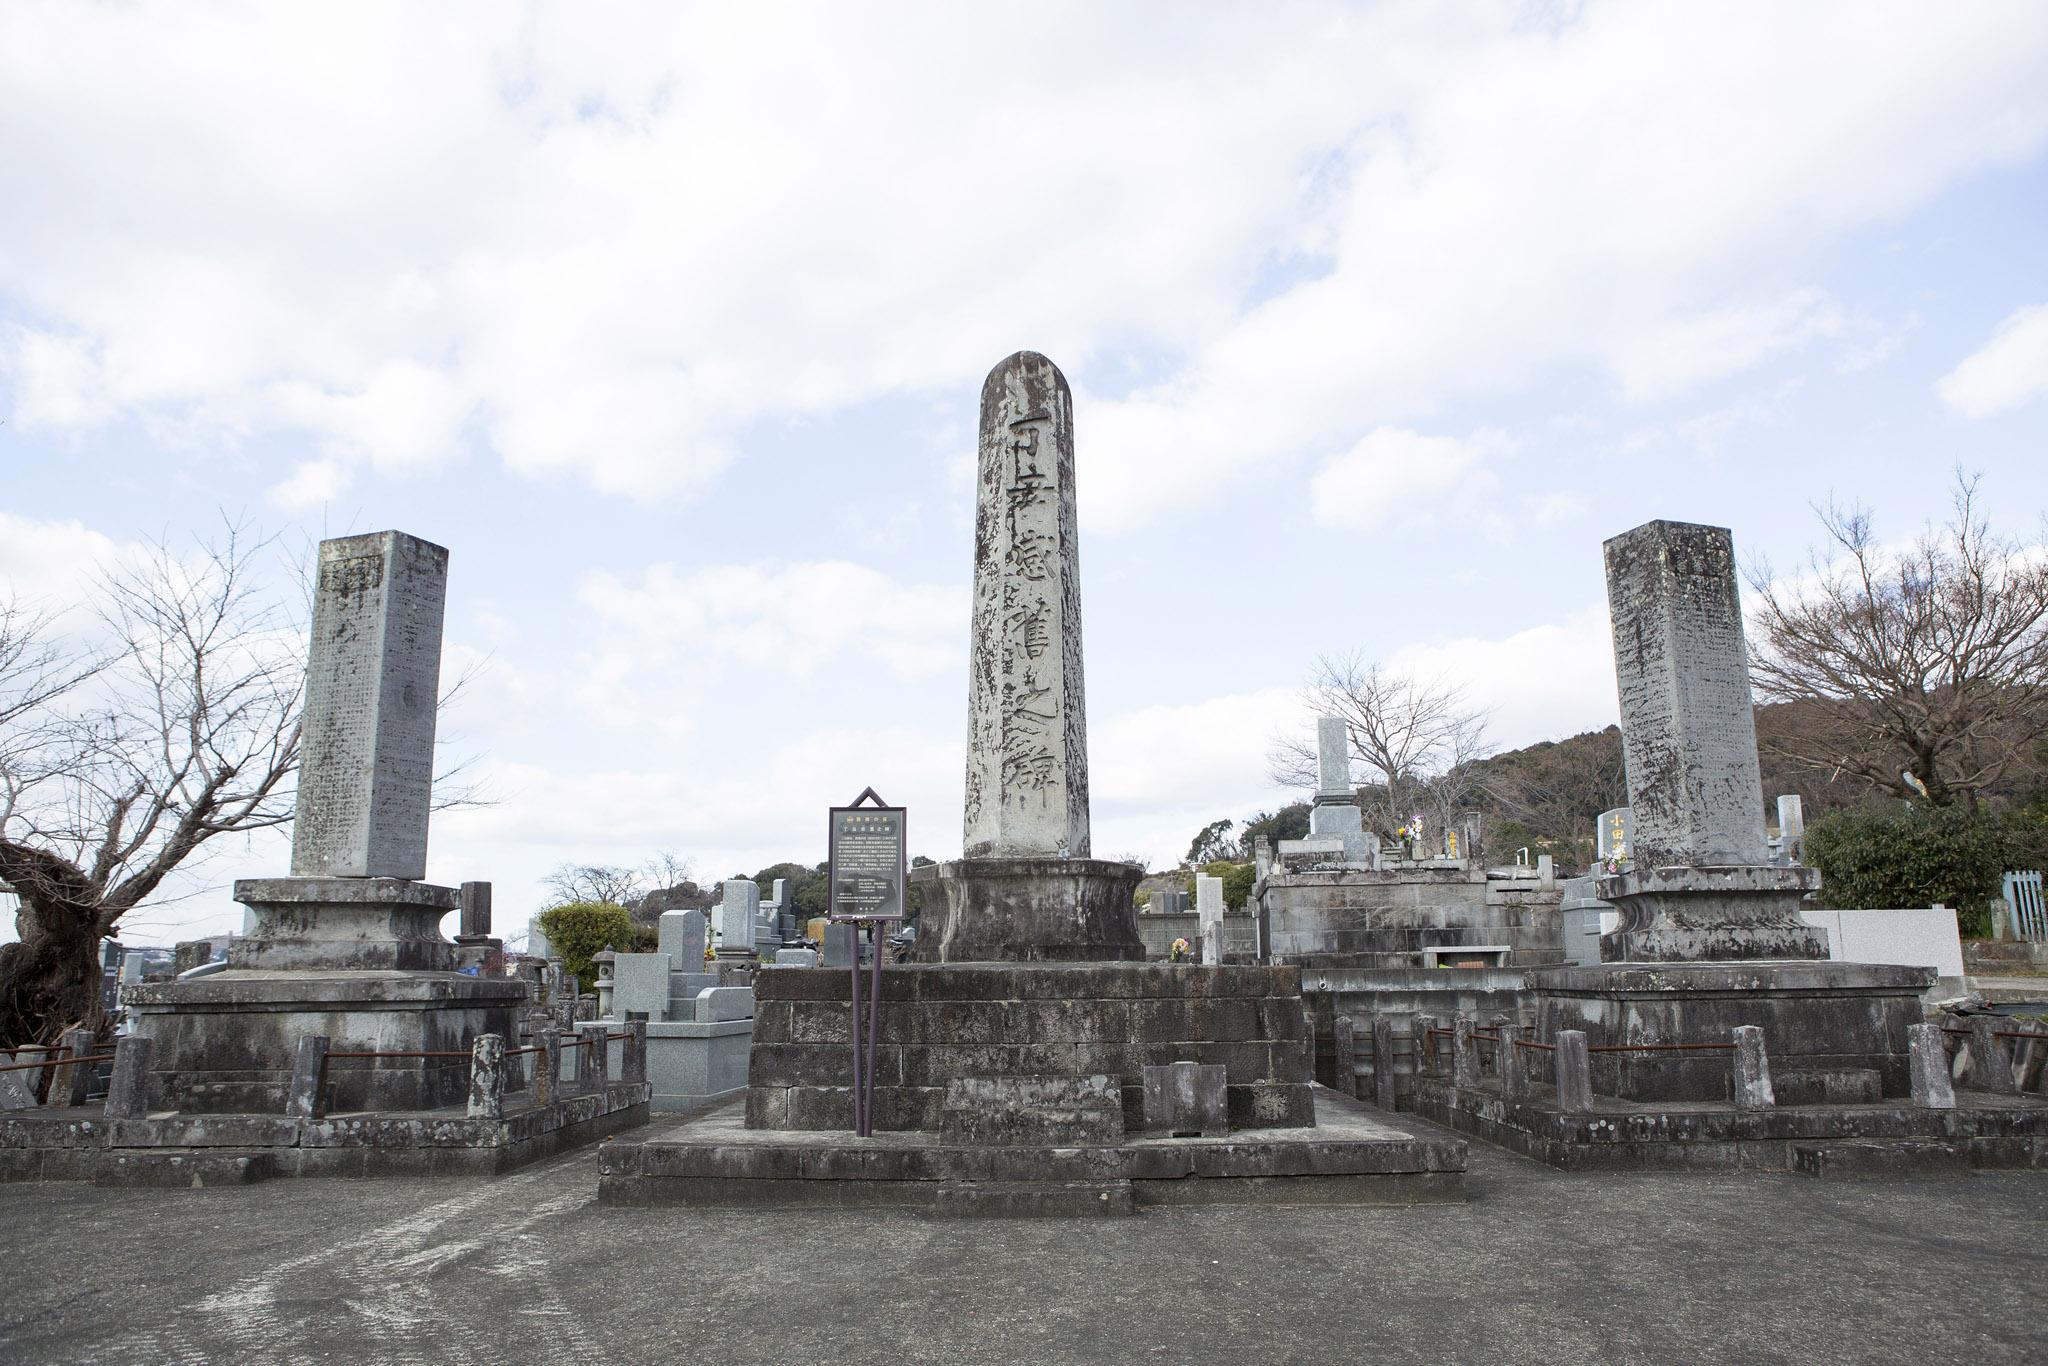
point(1027, 751)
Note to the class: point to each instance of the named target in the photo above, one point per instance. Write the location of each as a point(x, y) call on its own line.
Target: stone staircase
point(2005, 958)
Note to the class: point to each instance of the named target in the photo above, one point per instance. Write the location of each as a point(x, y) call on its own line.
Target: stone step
point(1881, 1157)
point(1032, 1199)
point(169, 1167)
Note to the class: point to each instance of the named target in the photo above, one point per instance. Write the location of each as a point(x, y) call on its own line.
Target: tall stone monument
point(1700, 885)
point(1026, 887)
point(349, 946)
point(1710, 935)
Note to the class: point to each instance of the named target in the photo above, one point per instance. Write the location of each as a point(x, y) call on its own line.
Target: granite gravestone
point(1611, 835)
point(1334, 813)
point(1026, 888)
point(738, 915)
point(681, 936)
point(1700, 886)
point(349, 947)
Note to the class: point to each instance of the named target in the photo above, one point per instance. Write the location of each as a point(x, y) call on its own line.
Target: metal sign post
point(868, 876)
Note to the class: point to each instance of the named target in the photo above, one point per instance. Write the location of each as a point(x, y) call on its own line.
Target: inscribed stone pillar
point(372, 686)
point(1027, 738)
point(1699, 886)
point(1687, 727)
point(1026, 888)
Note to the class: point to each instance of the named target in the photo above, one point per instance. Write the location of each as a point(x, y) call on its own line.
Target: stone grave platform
point(1353, 1155)
point(171, 1149)
point(943, 1023)
point(1983, 1131)
point(1835, 1030)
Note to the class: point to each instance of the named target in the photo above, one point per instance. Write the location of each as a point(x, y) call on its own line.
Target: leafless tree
point(118, 766)
point(1923, 667)
point(1417, 738)
point(572, 882)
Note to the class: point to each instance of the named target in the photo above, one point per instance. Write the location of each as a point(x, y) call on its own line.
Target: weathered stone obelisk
point(350, 946)
point(1026, 888)
point(1700, 885)
point(1710, 935)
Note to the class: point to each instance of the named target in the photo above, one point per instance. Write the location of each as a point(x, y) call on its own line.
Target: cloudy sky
point(669, 323)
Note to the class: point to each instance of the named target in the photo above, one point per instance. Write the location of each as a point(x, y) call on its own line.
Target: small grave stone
point(739, 916)
point(1186, 1099)
point(15, 1093)
point(476, 910)
point(1932, 1087)
point(839, 945)
point(1209, 916)
point(681, 937)
point(640, 982)
point(796, 958)
point(725, 1003)
point(1752, 1070)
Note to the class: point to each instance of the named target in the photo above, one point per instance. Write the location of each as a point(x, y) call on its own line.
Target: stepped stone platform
point(1353, 1155)
point(953, 1022)
point(1985, 1130)
point(82, 1144)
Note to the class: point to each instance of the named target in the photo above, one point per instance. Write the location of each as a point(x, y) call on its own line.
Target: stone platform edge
point(83, 1145)
point(711, 1162)
point(1999, 1133)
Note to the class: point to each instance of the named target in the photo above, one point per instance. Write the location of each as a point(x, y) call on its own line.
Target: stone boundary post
point(1464, 1054)
point(1383, 1061)
point(1928, 1057)
point(1425, 1045)
point(68, 1083)
point(487, 1077)
point(303, 1098)
point(633, 1067)
point(594, 1066)
point(1752, 1070)
point(1989, 1067)
point(1508, 1062)
point(1347, 1055)
point(128, 1093)
point(1574, 1072)
point(547, 1068)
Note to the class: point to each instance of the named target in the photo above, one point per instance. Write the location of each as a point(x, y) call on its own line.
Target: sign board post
point(868, 874)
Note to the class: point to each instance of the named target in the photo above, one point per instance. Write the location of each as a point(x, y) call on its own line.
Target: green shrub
point(581, 929)
point(1880, 856)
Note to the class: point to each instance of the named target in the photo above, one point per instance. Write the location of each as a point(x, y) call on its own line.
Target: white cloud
point(50, 567)
point(605, 247)
point(1542, 683)
point(1392, 472)
point(791, 618)
point(2005, 373)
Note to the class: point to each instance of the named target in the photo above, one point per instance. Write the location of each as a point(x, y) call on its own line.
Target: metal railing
point(2024, 907)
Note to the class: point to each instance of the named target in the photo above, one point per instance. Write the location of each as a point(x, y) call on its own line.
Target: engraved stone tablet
point(373, 676)
point(1687, 728)
point(1027, 741)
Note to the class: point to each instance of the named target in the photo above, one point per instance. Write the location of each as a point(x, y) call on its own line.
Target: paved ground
point(1538, 1267)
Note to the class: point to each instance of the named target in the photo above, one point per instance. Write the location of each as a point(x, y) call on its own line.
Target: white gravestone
point(738, 915)
point(1612, 834)
point(373, 677)
point(1209, 916)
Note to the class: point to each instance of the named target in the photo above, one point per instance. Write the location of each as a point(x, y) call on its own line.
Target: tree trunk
point(50, 981)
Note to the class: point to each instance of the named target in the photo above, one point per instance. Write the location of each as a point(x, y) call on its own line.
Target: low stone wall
point(942, 1022)
point(1385, 919)
point(1398, 995)
point(1240, 934)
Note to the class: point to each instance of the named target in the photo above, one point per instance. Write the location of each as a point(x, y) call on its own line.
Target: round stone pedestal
point(1029, 910)
point(1737, 912)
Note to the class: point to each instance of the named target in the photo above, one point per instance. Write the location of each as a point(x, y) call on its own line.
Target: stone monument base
point(226, 1043)
point(961, 1022)
point(344, 923)
point(1834, 1031)
point(1710, 914)
point(1029, 910)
